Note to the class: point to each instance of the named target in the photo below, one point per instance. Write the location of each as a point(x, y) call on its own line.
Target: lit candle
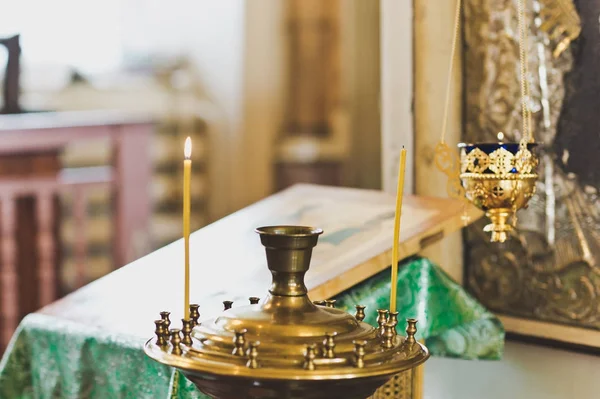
point(399, 195)
point(187, 172)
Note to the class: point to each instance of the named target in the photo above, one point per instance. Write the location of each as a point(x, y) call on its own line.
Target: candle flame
point(187, 150)
point(500, 136)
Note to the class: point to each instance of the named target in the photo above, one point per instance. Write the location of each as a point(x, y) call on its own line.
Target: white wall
point(212, 34)
point(264, 88)
point(236, 48)
point(397, 92)
point(416, 39)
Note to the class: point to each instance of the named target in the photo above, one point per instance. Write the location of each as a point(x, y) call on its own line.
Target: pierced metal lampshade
point(499, 178)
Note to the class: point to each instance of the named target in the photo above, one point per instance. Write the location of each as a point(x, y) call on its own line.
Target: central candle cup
point(289, 249)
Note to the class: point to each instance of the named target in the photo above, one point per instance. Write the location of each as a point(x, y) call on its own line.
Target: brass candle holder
point(286, 346)
point(499, 178)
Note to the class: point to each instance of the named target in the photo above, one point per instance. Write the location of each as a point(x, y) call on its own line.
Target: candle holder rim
point(289, 230)
point(495, 143)
point(224, 369)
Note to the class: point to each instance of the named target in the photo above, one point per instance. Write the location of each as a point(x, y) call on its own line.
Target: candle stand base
point(286, 346)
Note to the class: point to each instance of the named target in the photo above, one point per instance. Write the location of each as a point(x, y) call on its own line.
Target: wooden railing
point(127, 177)
point(44, 190)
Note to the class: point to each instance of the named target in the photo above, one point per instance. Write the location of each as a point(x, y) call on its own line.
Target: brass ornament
point(194, 314)
point(160, 331)
point(186, 332)
point(444, 157)
point(448, 163)
point(360, 312)
point(561, 23)
point(254, 300)
point(545, 272)
point(476, 161)
point(286, 343)
point(175, 342)
point(498, 179)
point(164, 315)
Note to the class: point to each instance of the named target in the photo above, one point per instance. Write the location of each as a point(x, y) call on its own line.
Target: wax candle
point(187, 173)
point(399, 196)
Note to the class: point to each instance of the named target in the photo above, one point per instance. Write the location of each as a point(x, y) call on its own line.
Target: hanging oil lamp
point(498, 178)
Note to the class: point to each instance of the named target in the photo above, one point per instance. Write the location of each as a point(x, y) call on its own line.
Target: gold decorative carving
point(447, 162)
point(560, 22)
point(399, 387)
point(477, 161)
point(550, 271)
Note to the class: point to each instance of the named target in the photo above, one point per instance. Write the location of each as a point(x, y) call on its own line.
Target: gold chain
point(525, 89)
point(445, 158)
point(527, 135)
point(451, 68)
point(526, 78)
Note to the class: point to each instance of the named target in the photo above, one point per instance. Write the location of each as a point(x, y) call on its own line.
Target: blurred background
point(271, 92)
point(99, 96)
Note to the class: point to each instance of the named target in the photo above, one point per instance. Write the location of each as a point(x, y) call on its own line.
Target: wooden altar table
point(104, 324)
point(130, 135)
point(227, 261)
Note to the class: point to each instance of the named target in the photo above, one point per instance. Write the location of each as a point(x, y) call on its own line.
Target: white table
point(526, 372)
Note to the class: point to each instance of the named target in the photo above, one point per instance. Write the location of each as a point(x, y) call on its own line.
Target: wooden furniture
point(227, 260)
point(10, 85)
point(30, 234)
point(39, 138)
point(313, 97)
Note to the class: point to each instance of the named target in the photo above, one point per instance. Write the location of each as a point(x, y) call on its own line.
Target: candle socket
point(194, 314)
point(186, 332)
point(227, 305)
point(411, 330)
point(309, 357)
point(360, 312)
point(175, 342)
point(359, 353)
point(160, 333)
point(388, 335)
point(252, 354)
point(254, 300)
point(393, 319)
point(165, 316)
point(382, 319)
point(329, 346)
point(240, 342)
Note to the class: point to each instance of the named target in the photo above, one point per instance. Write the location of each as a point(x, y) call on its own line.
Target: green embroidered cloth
point(52, 358)
point(452, 322)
